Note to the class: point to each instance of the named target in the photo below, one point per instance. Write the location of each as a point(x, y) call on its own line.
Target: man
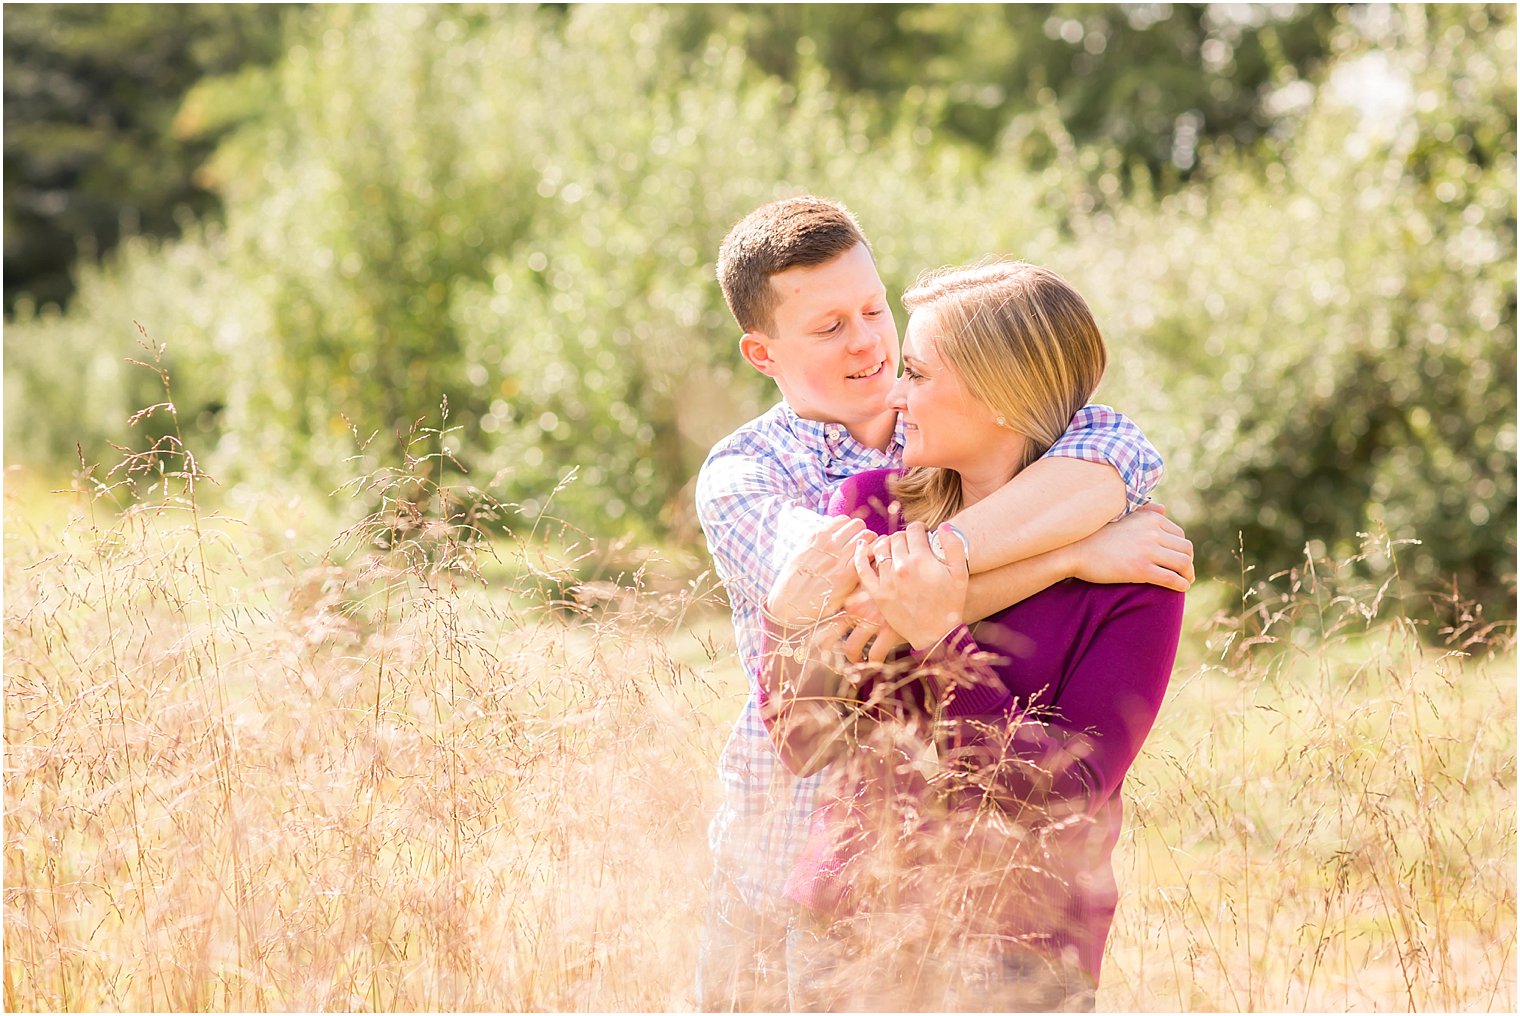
point(800, 280)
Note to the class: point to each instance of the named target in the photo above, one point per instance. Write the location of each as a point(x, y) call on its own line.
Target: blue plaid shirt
point(761, 494)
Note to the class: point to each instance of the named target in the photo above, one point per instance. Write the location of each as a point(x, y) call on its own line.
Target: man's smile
point(871, 371)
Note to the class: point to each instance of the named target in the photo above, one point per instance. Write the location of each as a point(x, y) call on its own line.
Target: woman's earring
point(1001, 422)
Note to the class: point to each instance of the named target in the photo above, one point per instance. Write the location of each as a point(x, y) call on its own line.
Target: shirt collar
point(835, 439)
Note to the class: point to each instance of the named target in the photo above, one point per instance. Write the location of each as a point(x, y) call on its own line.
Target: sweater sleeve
point(801, 699)
point(807, 708)
point(961, 676)
point(956, 671)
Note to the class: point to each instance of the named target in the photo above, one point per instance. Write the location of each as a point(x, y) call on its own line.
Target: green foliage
point(67, 379)
point(92, 148)
point(517, 210)
point(1340, 325)
point(1151, 80)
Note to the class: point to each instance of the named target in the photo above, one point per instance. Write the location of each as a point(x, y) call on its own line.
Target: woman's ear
point(755, 347)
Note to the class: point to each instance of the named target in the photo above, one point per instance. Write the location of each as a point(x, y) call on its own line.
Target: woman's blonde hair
point(1024, 343)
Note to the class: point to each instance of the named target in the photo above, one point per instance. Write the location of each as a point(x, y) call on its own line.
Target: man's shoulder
point(765, 432)
point(763, 454)
point(772, 444)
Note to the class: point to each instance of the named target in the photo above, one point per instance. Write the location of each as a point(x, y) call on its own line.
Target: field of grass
point(254, 761)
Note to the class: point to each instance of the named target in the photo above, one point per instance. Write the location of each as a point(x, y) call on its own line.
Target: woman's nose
point(897, 398)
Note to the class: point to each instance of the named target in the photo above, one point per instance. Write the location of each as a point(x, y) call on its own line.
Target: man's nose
point(861, 336)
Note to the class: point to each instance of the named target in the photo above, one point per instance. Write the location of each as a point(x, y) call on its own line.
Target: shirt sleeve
point(753, 519)
point(1102, 434)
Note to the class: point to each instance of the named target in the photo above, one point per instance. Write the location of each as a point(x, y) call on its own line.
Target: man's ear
point(755, 347)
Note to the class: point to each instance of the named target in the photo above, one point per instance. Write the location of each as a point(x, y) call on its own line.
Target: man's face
point(833, 345)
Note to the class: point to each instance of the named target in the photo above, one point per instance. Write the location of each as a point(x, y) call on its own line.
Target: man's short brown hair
point(797, 232)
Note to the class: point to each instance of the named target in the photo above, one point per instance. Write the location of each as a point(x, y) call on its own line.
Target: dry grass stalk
point(412, 771)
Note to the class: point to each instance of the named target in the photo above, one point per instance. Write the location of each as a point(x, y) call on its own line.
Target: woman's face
point(945, 424)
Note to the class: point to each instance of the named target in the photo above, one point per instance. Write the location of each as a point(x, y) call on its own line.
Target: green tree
point(1152, 80)
point(91, 148)
point(518, 210)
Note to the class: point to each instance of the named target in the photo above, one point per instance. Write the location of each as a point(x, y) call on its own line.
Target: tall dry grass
point(1324, 817)
point(411, 766)
point(241, 775)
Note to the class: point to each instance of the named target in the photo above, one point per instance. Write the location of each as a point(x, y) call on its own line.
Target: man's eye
point(878, 312)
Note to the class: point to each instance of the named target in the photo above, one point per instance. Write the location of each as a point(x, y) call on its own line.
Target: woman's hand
point(919, 595)
point(814, 583)
point(1143, 547)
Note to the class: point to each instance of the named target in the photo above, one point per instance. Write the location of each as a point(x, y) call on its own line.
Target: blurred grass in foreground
point(248, 772)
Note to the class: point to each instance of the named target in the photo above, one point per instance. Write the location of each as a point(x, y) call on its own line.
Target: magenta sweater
point(1070, 679)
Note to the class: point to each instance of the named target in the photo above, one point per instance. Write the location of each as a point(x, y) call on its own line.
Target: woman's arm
point(1143, 547)
point(1102, 467)
point(803, 696)
point(808, 700)
point(815, 702)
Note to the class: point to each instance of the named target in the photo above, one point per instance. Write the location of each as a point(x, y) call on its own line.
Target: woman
point(982, 790)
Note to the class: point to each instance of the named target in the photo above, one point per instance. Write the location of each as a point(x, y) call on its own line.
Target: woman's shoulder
point(1076, 599)
point(866, 496)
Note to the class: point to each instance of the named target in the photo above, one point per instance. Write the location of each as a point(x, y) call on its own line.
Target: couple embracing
point(957, 625)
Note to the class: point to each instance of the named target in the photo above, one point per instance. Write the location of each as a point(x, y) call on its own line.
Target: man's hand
point(871, 640)
point(814, 583)
point(1144, 546)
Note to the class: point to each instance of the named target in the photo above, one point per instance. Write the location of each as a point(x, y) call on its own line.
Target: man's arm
point(1143, 547)
point(1051, 503)
point(1102, 467)
point(752, 515)
point(991, 591)
point(1025, 537)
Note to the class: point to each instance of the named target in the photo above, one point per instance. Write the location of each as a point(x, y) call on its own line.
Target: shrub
point(517, 212)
